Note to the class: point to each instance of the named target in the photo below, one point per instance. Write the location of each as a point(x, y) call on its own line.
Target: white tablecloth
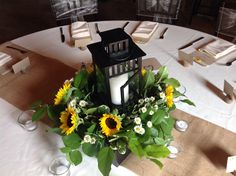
point(26, 153)
point(203, 84)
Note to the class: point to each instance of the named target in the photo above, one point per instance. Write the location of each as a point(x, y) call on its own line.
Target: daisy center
point(69, 121)
point(111, 123)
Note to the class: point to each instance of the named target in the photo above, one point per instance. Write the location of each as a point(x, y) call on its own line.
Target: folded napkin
point(144, 31)
point(80, 29)
point(218, 48)
point(4, 58)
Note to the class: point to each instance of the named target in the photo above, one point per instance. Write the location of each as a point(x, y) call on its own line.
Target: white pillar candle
point(115, 85)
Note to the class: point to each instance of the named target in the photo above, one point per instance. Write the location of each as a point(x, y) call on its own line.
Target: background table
point(204, 84)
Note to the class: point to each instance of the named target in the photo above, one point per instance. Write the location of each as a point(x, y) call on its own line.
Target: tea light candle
point(115, 84)
point(173, 151)
point(181, 125)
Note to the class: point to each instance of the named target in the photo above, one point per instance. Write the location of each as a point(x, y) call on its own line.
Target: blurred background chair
point(67, 11)
point(164, 11)
point(226, 23)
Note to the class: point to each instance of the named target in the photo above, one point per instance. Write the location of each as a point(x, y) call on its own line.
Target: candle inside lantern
point(115, 84)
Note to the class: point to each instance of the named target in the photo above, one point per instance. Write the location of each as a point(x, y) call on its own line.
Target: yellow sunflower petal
point(68, 121)
point(61, 92)
point(110, 124)
point(143, 71)
point(169, 90)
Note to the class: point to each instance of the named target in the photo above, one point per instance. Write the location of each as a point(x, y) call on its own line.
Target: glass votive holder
point(25, 120)
point(174, 149)
point(60, 166)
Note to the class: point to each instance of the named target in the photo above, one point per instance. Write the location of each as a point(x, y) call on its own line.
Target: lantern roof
point(113, 35)
point(102, 59)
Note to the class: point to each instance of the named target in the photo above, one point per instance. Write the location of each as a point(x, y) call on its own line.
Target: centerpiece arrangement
point(114, 105)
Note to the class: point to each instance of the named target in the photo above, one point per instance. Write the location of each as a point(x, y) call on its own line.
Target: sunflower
point(68, 119)
point(143, 71)
point(169, 96)
point(110, 124)
point(61, 92)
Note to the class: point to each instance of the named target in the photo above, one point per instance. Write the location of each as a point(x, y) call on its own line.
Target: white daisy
point(87, 138)
point(137, 120)
point(151, 112)
point(93, 140)
point(149, 124)
point(162, 95)
point(82, 103)
point(141, 101)
point(152, 98)
point(139, 129)
point(146, 100)
point(144, 109)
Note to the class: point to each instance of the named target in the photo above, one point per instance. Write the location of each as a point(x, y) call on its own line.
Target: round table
point(204, 85)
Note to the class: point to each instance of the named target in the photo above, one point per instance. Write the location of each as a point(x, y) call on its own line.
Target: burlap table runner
point(204, 146)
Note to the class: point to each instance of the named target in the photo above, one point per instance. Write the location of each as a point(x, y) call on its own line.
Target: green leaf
point(158, 117)
point(157, 151)
point(173, 82)
point(188, 102)
point(149, 79)
point(80, 79)
point(157, 162)
point(39, 113)
point(67, 96)
point(167, 126)
point(75, 157)
point(54, 130)
point(36, 104)
point(136, 147)
point(65, 149)
point(73, 141)
point(162, 74)
point(89, 149)
point(91, 128)
point(103, 109)
point(91, 110)
point(51, 113)
point(105, 158)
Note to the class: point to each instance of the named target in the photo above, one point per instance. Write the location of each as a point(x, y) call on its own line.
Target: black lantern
point(120, 60)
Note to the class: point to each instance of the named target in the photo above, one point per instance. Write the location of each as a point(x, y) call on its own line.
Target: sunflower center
point(69, 121)
point(111, 123)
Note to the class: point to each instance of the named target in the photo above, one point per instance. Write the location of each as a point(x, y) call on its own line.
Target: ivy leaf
point(73, 141)
point(171, 81)
point(40, 112)
point(75, 157)
point(105, 158)
point(136, 147)
point(89, 149)
point(188, 102)
point(157, 151)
